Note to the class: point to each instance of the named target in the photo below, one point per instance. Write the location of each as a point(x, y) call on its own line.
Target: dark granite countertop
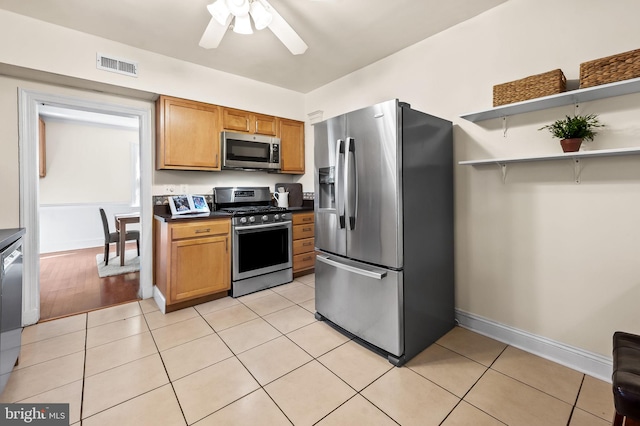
point(162, 212)
point(167, 217)
point(8, 236)
point(301, 209)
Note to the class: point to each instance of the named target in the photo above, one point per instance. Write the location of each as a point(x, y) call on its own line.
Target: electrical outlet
point(169, 189)
point(184, 189)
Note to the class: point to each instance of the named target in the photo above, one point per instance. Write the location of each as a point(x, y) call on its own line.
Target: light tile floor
point(263, 359)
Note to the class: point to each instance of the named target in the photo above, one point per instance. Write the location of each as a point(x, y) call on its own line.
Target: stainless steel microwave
point(250, 152)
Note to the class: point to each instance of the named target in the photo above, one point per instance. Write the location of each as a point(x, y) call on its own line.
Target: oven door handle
point(265, 226)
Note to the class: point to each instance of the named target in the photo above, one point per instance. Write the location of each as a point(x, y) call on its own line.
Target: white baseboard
point(578, 359)
point(160, 300)
point(30, 317)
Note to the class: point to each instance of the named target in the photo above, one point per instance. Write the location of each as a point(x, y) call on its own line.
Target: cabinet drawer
point(199, 229)
point(302, 218)
point(303, 231)
point(303, 246)
point(304, 261)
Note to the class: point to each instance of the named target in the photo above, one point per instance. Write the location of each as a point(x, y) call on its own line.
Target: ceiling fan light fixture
point(238, 7)
point(261, 17)
point(219, 11)
point(242, 25)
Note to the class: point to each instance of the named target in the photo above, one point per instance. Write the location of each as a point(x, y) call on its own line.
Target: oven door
point(260, 249)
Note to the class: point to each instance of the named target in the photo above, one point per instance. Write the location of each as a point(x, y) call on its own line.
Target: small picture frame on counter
point(188, 204)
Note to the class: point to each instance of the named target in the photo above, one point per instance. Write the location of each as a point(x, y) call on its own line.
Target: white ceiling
point(342, 35)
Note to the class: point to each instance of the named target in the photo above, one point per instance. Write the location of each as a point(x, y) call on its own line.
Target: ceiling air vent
point(121, 66)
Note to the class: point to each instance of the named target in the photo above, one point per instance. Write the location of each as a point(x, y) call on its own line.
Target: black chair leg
point(138, 246)
point(106, 254)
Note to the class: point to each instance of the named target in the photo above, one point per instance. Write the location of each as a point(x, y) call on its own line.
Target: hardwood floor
point(69, 284)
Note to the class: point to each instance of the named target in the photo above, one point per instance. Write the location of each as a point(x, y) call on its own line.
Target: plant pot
point(571, 145)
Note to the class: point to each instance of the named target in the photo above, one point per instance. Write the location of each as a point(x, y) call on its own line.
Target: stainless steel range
point(261, 238)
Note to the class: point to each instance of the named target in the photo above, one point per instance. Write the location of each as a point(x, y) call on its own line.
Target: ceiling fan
point(223, 12)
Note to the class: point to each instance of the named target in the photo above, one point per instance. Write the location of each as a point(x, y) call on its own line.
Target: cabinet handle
point(247, 127)
point(307, 258)
point(306, 229)
point(202, 231)
point(226, 244)
point(307, 244)
point(307, 219)
point(216, 160)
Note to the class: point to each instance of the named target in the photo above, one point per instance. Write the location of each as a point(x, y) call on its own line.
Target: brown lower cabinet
point(304, 256)
point(192, 260)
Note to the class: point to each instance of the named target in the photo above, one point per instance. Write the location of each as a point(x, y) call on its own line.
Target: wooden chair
point(626, 379)
point(114, 237)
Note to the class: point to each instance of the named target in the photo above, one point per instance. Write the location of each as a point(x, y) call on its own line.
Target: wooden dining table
point(122, 219)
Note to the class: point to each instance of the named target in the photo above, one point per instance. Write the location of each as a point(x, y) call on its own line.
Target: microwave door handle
point(337, 180)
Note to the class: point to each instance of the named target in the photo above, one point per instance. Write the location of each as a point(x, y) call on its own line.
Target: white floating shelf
point(572, 97)
point(575, 157)
point(549, 157)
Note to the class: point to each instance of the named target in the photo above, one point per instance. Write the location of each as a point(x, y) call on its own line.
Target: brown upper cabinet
point(188, 135)
point(291, 146)
point(249, 122)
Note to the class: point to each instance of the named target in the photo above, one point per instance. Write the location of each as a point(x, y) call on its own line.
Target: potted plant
point(573, 130)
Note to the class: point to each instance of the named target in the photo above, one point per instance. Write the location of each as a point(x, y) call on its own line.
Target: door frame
point(29, 102)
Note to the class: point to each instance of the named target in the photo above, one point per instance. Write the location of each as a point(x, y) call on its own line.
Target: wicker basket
point(614, 68)
point(536, 86)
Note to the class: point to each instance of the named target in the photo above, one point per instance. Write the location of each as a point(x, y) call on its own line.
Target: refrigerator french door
point(359, 186)
point(384, 194)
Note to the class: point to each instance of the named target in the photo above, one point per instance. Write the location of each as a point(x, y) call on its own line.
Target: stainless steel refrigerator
point(384, 227)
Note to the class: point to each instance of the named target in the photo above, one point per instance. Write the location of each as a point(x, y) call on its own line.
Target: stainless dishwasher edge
point(11, 265)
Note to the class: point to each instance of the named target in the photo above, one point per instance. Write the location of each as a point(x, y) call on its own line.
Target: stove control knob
point(283, 216)
point(252, 219)
point(243, 220)
point(276, 217)
point(265, 218)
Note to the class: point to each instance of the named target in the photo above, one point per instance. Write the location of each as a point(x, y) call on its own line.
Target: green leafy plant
point(576, 127)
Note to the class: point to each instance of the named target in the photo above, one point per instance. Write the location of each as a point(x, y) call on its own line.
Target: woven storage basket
point(536, 86)
point(622, 66)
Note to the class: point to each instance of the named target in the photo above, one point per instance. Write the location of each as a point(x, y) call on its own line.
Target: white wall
point(538, 253)
point(87, 163)
point(89, 166)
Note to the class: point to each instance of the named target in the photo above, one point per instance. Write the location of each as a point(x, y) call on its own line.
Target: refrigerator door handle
point(366, 272)
point(337, 180)
point(351, 183)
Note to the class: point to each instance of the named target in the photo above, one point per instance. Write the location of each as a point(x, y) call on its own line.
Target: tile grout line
point(576, 401)
point(136, 396)
point(84, 366)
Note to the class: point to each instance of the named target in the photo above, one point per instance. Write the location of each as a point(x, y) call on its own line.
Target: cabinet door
point(292, 146)
point(199, 267)
point(264, 124)
point(189, 135)
point(237, 120)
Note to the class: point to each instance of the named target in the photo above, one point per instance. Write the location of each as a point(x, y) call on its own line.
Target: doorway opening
point(32, 104)
point(87, 161)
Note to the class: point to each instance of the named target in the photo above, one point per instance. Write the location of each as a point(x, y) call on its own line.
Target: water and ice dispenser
point(326, 199)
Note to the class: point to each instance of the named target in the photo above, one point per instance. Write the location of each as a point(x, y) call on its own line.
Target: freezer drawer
point(364, 300)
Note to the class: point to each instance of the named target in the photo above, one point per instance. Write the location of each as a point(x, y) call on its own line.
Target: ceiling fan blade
point(213, 34)
point(284, 32)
